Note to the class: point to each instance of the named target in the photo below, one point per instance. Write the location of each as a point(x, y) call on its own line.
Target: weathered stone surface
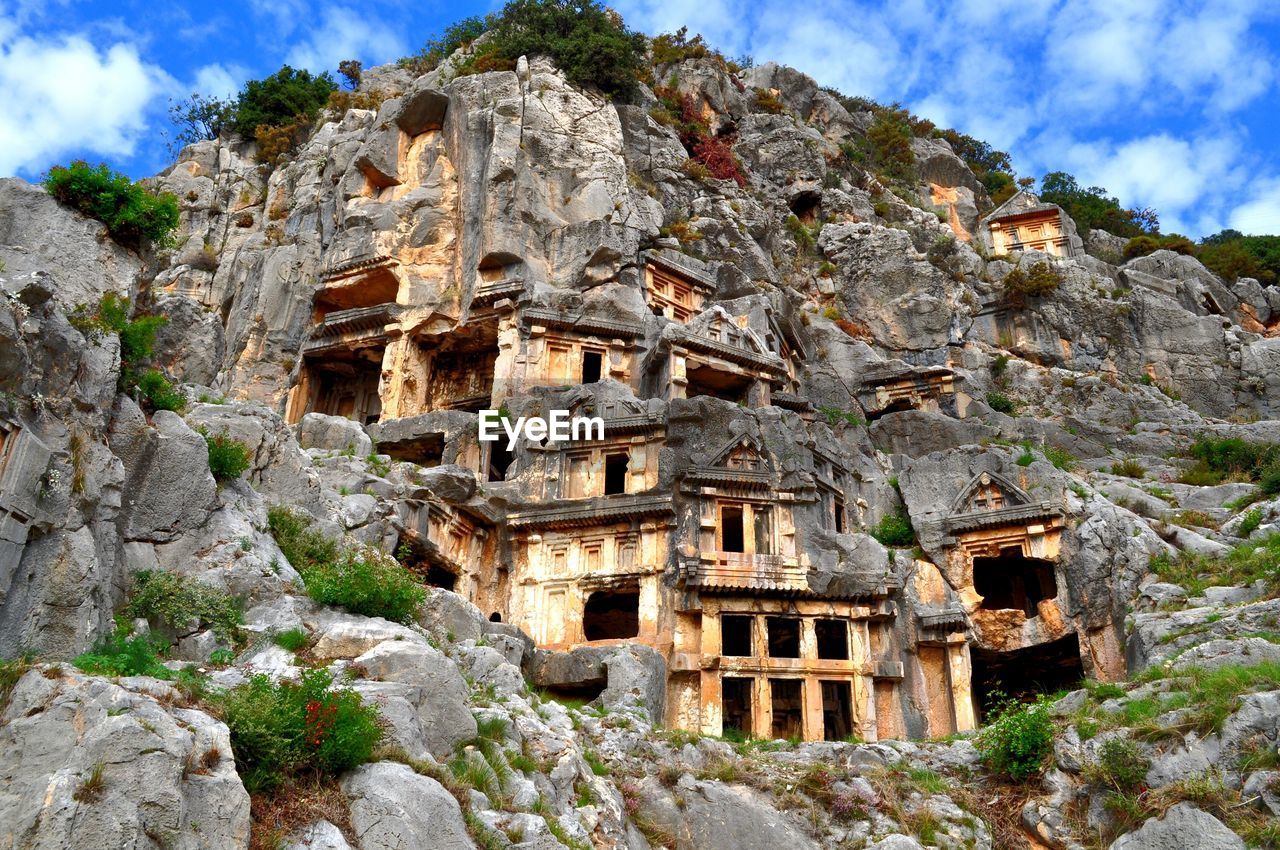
point(58, 729)
point(335, 433)
point(439, 693)
point(393, 808)
point(1183, 826)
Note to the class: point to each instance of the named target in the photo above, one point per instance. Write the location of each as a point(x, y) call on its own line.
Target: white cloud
point(1261, 213)
point(65, 95)
point(219, 81)
point(344, 34)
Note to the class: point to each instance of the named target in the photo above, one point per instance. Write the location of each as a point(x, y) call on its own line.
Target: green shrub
point(1039, 280)
point(1121, 765)
point(361, 580)
point(118, 654)
point(280, 99)
point(1060, 458)
point(1017, 742)
point(1094, 208)
point(894, 530)
point(1129, 468)
point(133, 214)
point(291, 639)
point(584, 39)
point(282, 730)
point(1221, 458)
point(438, 48)
point(1140, 246)
point(1251, 521)
point(228, 458)
point(158, 394)
point(1001, 403)
point(176, 601)
point(1027, 457)
point(1269, 480)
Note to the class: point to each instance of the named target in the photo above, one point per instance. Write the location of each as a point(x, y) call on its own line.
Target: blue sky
point(1167, 104)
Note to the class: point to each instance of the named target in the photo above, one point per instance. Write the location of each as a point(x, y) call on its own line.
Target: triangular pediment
point(743, 454)
point(988, 491)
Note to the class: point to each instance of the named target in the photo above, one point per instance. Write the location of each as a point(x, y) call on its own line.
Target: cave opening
point(1013, 581)
point(612, 614)
point(709, 381)
point(732, 537)
point(1024, 674)
point(500, 458)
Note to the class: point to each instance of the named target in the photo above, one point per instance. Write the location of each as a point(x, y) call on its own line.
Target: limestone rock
point(1183, 826)
point(393, 808)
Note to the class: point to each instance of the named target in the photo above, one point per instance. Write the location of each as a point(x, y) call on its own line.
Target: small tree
point(350, 70)
point(200, 118)
point(134, 215)
point(280, 99)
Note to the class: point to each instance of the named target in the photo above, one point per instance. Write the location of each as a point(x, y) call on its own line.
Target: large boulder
point(1183, 827)
point(394, 808)
point(431, 684)
point(89, 764)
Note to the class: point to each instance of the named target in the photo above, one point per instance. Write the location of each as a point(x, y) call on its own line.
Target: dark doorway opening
point(839, 511)
point(735, 635)
point(787, 708)
point(731, 531)
point(837, 711)
point(437, 576)
point(833, 639)
point(615, 474)
point(585, 691)
point(784, 637)
point(495, 617)
point(704, 380)
point(592, 362)
point(499, 460)
point(1025, 673)
point(1012, 580)
point(425, 450)
point(735, 705)
point(612, 614)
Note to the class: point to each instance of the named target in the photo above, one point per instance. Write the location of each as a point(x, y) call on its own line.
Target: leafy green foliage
point(200, 118)
point(118, 654)
point(176, 601)
point(134, 215)
point(993, 168)
point(1245, 564)
point(1001, 403)
point(228, 457)
point(439, 47)
point(1129, 468)
point(1039, 280)
point(894, 530)
point(362, 580)
point(886, 148)
point(1140, 246)
point(584, 39)
point(1094, 208)
point(282, 730)
point(1017, 742)
point(1121, 765)
point(280, 99)
point(137, 341)
point(291, 639)
point(1230, 458)
point(1232, 255)
point(158, 394)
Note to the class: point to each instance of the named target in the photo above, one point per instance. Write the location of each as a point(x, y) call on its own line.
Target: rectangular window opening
point(731, 531)
point(615, 474)
point(735, 635)
point(784, 637)
point(833, 639)
point(592, 362)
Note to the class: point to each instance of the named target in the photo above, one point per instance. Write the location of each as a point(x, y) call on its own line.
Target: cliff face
point(782, 364)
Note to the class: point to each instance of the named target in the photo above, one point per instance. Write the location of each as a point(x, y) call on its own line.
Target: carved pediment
point(988, 491)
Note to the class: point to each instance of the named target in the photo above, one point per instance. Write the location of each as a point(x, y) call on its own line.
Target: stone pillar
point(677, 379)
